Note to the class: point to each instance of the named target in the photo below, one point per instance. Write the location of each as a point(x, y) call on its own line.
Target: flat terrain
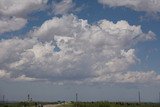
point(84, 104)
point(106, 104)
point(114, 104)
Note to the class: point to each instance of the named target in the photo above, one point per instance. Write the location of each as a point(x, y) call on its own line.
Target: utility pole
point(159, 97)
point(28, 97)
point(3, 98)
point(76, 99)
point(139, 97)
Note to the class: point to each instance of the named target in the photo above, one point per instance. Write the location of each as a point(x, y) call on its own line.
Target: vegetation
point(83, 104)
point(110, 104)
point(17, 104)
point(29, 104)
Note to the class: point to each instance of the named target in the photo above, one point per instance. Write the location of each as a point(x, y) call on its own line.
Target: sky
point(104, 50)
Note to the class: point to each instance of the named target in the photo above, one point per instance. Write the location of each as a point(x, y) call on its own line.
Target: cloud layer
point(68, 49)
point(150, 6)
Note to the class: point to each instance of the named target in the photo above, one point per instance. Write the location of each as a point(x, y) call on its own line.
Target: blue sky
point(101, 49)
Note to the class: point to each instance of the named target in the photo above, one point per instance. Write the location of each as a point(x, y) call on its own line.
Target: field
point(25, 104)
point(84, 104)
point(111, 104)
point(17, 104)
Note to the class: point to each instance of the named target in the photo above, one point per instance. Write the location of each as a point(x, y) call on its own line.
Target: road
point(52, 105)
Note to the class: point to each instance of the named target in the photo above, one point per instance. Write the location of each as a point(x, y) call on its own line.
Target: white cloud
point(4, 74)
point(101, 52)
point(13, 13)
point(127, 77)
point(121, 63)
point(12, 24)
point(63, 7)
point(67, 26)
point(24, 78)
point(141, 77)
point(20, 7)
point(151, 6)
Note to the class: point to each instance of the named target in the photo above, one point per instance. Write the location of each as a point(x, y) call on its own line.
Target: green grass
point(85, 104)
point(18, 104)
point(108, 104)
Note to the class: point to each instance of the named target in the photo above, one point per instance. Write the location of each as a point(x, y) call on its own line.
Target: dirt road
point(52, 105)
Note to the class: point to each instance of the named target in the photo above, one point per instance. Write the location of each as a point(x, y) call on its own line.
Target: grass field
point(86, 104)
point(17, 104)
point(109, 104)
point(20, 104)
point(28, 104)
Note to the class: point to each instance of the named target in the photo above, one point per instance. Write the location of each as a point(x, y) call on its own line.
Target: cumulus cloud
point(4, 74)
point(63, 7)
point(20, 7)
point(101, 52)
point(151, 6)
point(11, 24)
point(13, 13)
